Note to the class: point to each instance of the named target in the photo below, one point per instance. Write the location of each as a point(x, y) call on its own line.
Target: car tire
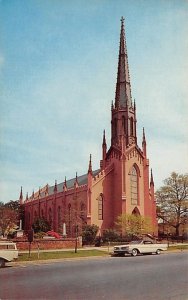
point(158, 251)
point(2, 263)
point(134, 252)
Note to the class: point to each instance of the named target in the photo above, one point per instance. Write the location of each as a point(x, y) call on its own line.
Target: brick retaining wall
point(47, 244)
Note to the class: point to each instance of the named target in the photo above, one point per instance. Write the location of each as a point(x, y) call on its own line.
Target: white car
point(142, 247)
point(8, 252)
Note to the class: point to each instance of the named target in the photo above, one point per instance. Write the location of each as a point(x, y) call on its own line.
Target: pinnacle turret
point(143, 138)
point(151, 179)
point(90, 165)
point(144, 143)
point(104, 138)
point(76, 181)
point(65, 185)
point(55, 187)
point(21, 197)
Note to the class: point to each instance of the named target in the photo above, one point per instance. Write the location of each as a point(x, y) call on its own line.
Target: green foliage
point(134, 225)
point(89, 234)
point(39, 235)
point(172, 201)
point(41, 225)
point(8, 220)
point(19, 209)
point(110, 235)
point(14, 205)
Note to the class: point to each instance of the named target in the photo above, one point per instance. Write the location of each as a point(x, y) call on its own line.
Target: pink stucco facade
point(122, 184)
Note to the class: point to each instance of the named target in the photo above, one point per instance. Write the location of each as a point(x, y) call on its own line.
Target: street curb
point(55, 260)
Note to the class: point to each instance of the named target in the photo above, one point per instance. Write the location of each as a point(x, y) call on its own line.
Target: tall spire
point(123, 96)
point(124, 112)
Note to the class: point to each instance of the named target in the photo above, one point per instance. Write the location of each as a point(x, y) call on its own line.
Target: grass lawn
point(60, 254)
point(178, 247)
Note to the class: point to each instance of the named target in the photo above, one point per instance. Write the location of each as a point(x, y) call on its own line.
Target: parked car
point(8, 252)
point(139, 247)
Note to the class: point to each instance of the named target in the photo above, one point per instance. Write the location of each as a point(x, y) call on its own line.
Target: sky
point(58, 68)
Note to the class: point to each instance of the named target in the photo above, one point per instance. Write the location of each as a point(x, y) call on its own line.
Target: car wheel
point(2, 262)
point(158, 251)
point(134, 252)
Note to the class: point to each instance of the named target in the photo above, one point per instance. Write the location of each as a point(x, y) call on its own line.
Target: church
point(122, 184)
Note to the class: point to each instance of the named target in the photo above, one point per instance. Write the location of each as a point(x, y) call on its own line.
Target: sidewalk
point(102, 248)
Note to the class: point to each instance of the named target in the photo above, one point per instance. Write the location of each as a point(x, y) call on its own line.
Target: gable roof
point(70, 183)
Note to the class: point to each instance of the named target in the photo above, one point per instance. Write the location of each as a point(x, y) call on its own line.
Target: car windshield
point(135, 242)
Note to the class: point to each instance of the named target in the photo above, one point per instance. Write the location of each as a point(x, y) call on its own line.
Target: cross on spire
point(122, 20)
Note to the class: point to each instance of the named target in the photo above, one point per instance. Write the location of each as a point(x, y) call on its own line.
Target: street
point(146, 277)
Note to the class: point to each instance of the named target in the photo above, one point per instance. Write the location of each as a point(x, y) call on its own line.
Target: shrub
point(41, 225)
point(110, 235)
point(89, 233)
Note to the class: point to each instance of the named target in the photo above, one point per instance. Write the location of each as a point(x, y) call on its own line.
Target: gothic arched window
point(59, 217)
point(29, 219)
point(100, 207)
point(123, 124)
point(82, 211)
point(134, 186)
point(115, 127)
point(131, 126)
point(83, 214)
point(69, 219)
point(50, 216)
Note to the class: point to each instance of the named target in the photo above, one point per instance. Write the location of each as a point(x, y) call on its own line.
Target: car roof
point(7, 243)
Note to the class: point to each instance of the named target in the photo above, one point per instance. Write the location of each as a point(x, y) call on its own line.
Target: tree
point(172, 201)
point(89, 233)
point(19, 209)
point(41, 225)
point(8, 219)
point(132, 224)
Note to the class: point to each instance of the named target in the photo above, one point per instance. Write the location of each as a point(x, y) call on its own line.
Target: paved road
point(150, 277)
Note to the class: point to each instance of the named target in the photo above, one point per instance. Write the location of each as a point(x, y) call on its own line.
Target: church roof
point(69, 183)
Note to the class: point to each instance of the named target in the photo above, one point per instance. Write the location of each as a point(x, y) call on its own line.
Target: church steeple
point(123, 96)
point(123, 122)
